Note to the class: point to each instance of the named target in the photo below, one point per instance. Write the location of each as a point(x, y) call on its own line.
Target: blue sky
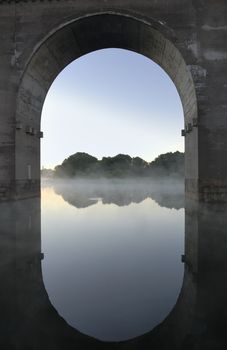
point(108, 102)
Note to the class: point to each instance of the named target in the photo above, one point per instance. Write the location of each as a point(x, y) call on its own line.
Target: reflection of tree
point(169, 200)
point(75, 197)
point(84, 193)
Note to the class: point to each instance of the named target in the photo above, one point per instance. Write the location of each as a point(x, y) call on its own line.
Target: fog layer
point(84, 192)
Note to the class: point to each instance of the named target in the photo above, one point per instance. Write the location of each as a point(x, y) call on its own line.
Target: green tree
point(117, 166)
point(167, 164)
point(139, 166)
point(121, 165)
point(78, 164)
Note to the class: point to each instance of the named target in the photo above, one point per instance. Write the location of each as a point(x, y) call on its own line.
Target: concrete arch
point(74, 39)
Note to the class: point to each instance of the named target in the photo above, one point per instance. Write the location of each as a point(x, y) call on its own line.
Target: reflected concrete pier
point(29, 321)
point(27, 318)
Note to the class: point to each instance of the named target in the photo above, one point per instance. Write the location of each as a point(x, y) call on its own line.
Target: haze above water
point(112, 266)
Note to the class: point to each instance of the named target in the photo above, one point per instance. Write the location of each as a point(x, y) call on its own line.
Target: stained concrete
point(187, 38)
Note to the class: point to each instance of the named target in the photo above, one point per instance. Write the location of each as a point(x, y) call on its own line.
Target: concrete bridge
point(187, 38)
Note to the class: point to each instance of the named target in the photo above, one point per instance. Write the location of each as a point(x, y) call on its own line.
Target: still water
point(112, 266)
point(107, 266)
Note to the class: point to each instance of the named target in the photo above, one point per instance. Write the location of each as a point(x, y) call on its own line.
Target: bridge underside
point(186, 38)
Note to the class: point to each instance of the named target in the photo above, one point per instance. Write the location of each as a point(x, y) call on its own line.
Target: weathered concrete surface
point(187, 38)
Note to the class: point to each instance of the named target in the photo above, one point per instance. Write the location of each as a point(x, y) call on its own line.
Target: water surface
point(112, 266)
point(110, 283)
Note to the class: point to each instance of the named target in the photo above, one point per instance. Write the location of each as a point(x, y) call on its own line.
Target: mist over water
point(83, 192)
point(113, 248)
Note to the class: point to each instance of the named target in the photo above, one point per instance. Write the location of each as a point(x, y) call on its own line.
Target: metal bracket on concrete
point(18, 125)
point(40, 134)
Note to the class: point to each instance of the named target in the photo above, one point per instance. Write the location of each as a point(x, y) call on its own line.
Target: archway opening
point(106, 103)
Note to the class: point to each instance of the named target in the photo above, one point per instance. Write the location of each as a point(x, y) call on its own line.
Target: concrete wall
point(186, 38)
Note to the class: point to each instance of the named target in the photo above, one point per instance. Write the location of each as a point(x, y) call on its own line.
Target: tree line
point(82, 164)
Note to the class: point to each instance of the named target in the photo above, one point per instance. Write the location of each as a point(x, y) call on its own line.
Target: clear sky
point(108, 102)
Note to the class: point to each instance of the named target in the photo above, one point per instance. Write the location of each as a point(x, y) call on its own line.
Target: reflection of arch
point(76, 38)
point(29, 320)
